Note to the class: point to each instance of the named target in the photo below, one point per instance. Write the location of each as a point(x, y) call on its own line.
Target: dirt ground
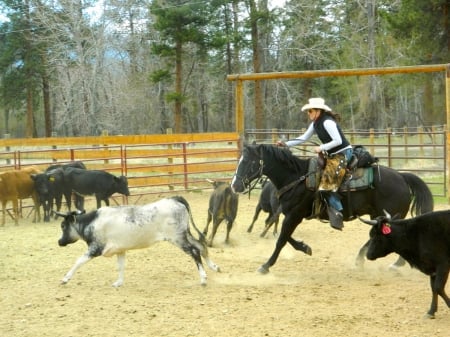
point(319, 295)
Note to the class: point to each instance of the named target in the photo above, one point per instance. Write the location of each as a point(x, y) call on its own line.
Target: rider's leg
point(331, 179)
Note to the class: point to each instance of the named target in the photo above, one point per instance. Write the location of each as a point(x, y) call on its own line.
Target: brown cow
point(15, 185)
point(223, 205)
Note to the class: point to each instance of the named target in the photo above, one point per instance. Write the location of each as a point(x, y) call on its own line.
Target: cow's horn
point(388, 216)
point(369, 222)
point(59, 214)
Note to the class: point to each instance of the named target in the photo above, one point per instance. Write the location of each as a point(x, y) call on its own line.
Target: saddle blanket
point(358, 179)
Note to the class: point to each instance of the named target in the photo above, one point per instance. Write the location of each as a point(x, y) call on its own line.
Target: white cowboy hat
point(316, 103)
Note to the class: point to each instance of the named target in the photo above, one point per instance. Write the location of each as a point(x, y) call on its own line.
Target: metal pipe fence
point(421, 151)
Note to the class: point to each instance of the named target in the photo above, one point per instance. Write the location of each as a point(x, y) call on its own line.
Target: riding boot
point(335, 217)
point(317, 207)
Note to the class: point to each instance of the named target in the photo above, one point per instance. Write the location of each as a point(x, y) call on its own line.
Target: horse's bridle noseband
point(247, 181)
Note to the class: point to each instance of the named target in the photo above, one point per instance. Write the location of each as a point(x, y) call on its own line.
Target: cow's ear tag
point(386, 228)
point(52, 179)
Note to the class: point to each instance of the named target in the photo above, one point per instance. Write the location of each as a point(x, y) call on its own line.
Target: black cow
point(269, 203)
point(223, 204)
point(50, 188)
point(101, 183)
point(423, 241)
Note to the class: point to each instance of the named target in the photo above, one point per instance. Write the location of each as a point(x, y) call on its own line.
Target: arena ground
point(319, 295)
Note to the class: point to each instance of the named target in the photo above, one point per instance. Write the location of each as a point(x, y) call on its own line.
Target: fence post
point(371, 141)
point(405, 142)
point(169, 131)
point(420, 130)
point(274, 135)
point(389, 138)
point(54, 147)
point(7, 149)
point(185, 165)
point(104, 134)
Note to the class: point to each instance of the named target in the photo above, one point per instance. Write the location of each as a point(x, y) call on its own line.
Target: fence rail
point(171, 163)
point(418, 150)
point(151, 164)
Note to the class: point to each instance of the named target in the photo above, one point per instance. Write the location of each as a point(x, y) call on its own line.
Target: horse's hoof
point(263, 270)
point(308, 251)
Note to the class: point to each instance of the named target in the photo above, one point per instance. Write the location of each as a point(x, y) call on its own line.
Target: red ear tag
point(386, 229)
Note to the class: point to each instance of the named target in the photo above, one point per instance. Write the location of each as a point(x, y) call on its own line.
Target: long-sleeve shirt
point(332, 129)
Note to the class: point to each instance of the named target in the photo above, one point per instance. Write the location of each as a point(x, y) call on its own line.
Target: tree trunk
point(257, 54)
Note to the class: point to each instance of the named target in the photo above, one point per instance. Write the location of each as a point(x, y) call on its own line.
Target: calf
point(223, 204)
point(101, 183)
point(423, 241)
point(269, 203)
point(50, 188)
point(15, 185)
point(112, 231)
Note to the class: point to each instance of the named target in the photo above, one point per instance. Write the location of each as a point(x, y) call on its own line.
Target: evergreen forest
point(83, 67)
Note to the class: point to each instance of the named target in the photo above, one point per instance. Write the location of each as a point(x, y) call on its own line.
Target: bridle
point(250, 182)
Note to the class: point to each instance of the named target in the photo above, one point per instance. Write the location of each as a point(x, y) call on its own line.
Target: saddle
point(359, 171)
point(356, 179)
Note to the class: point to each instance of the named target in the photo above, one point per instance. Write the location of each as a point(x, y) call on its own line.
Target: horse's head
point(249, 168)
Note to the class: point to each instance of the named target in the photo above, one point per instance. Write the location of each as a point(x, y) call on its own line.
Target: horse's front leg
point(281, 242)
point(287, 229)
point(300, 245)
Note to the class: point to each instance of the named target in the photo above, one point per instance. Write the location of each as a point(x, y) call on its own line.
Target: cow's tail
point(201, 236)
point(422, 197)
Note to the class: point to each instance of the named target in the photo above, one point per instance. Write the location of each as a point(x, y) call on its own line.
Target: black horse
point(392, 191)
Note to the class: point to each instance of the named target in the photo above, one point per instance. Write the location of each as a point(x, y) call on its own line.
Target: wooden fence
point(153, 164)
point(159, 164)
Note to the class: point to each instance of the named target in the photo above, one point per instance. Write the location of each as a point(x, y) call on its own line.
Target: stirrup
point(336, 218)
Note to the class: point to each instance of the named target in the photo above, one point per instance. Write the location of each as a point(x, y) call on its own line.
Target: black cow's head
point(122, 185)
point(41, 184)
point(381, 234)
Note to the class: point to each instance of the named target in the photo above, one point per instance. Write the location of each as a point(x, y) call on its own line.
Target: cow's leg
point(437, 283)
point(79, 202)
point(3, 211)
point(269, 222)
point(434, 298)
point(399, 263)
point(37, 209)
point(255, 217)
point(98, 199)
point(81, 260)
point(208, 221)
point(46, 208)
point(58, 203)
point(121, 269)
point(204, 253)
point(229, 226)
point(16, 210)
point(216, 223)
point(68, 198)
point(194, 251)
point(361, 255)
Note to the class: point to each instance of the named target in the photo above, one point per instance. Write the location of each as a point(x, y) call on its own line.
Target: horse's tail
point(422, 197)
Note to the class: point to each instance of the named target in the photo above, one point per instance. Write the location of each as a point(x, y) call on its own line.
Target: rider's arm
point(303, 138)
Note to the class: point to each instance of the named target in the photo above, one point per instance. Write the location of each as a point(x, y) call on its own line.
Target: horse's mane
point(284, 155)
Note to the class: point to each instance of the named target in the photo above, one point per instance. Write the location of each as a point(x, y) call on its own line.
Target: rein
point(287, 187)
